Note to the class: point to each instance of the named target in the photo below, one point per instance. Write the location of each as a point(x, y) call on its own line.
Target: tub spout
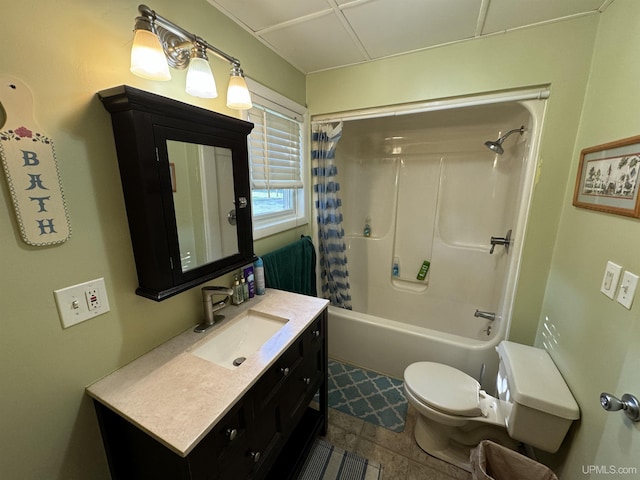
point(486, 315)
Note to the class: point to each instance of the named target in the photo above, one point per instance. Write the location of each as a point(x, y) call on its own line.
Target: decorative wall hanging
point(608, 178)
point(29, 162)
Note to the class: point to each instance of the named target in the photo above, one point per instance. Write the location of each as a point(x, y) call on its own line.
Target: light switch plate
point(627, 289)
point(81, 302)
point(610, 279)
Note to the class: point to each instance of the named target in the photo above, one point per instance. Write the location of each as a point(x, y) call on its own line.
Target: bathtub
point(388, 346)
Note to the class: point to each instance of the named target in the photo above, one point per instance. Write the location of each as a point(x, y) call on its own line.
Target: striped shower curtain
point(334, 274)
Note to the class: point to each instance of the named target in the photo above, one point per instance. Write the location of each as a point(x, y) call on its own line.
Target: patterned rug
point(326, 462)
point(370, 396)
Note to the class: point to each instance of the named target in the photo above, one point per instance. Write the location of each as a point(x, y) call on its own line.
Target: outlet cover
point(610, 279)
point(81, 302)
point(627, 289)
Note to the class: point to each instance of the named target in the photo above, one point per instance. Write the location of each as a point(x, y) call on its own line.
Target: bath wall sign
point(29, 163)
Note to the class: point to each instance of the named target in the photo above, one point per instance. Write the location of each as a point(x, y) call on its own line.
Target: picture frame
point(607, 179)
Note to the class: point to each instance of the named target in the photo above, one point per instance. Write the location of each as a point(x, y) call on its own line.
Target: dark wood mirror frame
point(142, 123)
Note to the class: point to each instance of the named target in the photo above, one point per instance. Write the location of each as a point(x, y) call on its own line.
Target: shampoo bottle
point(395, 270)
point(367, 227)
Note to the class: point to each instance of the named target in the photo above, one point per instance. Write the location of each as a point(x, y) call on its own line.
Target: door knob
point(628, 403)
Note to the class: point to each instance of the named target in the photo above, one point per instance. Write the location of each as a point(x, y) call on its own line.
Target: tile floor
point(400, 456)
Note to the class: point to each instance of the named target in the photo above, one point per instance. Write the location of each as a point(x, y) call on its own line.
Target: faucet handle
point(210, 308)
point(216, 290)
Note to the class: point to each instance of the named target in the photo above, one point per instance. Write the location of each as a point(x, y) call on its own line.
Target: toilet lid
point(444, 388)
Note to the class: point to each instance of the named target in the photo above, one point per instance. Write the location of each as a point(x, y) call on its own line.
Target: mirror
point(185, 178)
point(206, 232)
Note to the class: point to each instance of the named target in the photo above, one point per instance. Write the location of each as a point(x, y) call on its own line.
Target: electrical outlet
point(93, 298)
point(627, 289)
point(610, 280)
point(81, 302)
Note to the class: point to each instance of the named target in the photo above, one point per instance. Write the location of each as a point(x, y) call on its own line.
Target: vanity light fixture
point(159, 44)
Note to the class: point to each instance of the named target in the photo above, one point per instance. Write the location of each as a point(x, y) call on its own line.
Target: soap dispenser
point(238, 294)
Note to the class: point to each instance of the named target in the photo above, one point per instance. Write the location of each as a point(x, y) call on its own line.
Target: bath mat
point(370, 396)
point(327, 462)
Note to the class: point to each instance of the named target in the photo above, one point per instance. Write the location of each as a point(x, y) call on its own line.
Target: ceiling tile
point(316, 44)
point(387, 27)
point(507, 14)
point(260, 14)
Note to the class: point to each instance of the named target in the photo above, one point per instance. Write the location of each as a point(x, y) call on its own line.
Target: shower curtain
point(334, 274)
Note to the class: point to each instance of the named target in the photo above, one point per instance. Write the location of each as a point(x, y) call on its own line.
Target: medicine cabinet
point(185, 178)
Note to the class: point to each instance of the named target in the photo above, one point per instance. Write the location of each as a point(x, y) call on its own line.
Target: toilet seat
point(444, 388)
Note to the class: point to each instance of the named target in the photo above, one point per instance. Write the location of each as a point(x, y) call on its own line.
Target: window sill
point(267, 228)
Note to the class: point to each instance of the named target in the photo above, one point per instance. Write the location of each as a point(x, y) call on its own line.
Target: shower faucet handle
point(506, 241)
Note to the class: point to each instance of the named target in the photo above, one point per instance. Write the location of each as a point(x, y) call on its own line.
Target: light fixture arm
point(183, 36)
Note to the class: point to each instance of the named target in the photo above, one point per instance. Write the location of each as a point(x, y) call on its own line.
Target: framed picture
point(608, 178)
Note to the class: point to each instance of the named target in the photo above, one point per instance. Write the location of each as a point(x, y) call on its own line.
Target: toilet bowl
point(534, 405)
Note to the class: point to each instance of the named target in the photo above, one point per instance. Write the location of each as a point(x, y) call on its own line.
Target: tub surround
point(177, 397)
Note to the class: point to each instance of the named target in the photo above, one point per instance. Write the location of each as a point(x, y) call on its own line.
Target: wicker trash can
point(490, 461)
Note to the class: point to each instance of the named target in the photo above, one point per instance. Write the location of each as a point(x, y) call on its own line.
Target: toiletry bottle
point(248, 273)
point(395, 270)
point(238, 296)
point(245, 288)
point(423, 270)
point(367, 227)
point(258, 272)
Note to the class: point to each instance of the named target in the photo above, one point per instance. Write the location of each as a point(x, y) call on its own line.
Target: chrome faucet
point(486, 315)
point(210, 318)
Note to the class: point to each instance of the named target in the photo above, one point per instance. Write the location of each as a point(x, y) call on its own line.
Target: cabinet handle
point(255, 456)
point(315, 333)
point(232, 433)
point(306, 380)
point(284, 371)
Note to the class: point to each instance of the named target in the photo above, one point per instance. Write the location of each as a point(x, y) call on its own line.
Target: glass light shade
point(147, 57)
point(238, 96)
point(200, 81)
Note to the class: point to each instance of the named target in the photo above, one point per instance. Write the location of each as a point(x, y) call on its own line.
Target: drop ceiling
point(315, 35)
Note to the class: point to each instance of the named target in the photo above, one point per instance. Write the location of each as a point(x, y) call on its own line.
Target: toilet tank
point(535, 400)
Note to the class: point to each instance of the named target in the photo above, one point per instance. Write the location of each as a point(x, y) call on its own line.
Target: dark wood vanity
point(266, 434)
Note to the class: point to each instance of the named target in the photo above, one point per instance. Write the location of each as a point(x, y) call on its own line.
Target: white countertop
point(178, 397)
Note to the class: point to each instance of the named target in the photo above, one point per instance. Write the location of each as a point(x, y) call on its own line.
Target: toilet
point(534, 405)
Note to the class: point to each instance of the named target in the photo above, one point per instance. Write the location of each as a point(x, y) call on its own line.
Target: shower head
point(497, 145)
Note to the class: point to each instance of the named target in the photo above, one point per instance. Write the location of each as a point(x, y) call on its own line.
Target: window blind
point(274, 150)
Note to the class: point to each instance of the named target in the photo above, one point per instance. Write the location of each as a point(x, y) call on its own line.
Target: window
point(276, 162)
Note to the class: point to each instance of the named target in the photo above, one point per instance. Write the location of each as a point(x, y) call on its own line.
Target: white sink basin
point(243, 336)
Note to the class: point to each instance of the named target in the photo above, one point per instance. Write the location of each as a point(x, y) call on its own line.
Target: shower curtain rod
point(431, 106)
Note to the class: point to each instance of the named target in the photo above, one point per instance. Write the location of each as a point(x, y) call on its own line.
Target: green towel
point(292, 268)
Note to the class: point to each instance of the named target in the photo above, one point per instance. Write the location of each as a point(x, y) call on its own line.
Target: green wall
point(66, 51)
point(596, 341)
point(558, 55)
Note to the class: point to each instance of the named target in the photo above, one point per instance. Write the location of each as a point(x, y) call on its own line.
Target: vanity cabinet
point(265, 435)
